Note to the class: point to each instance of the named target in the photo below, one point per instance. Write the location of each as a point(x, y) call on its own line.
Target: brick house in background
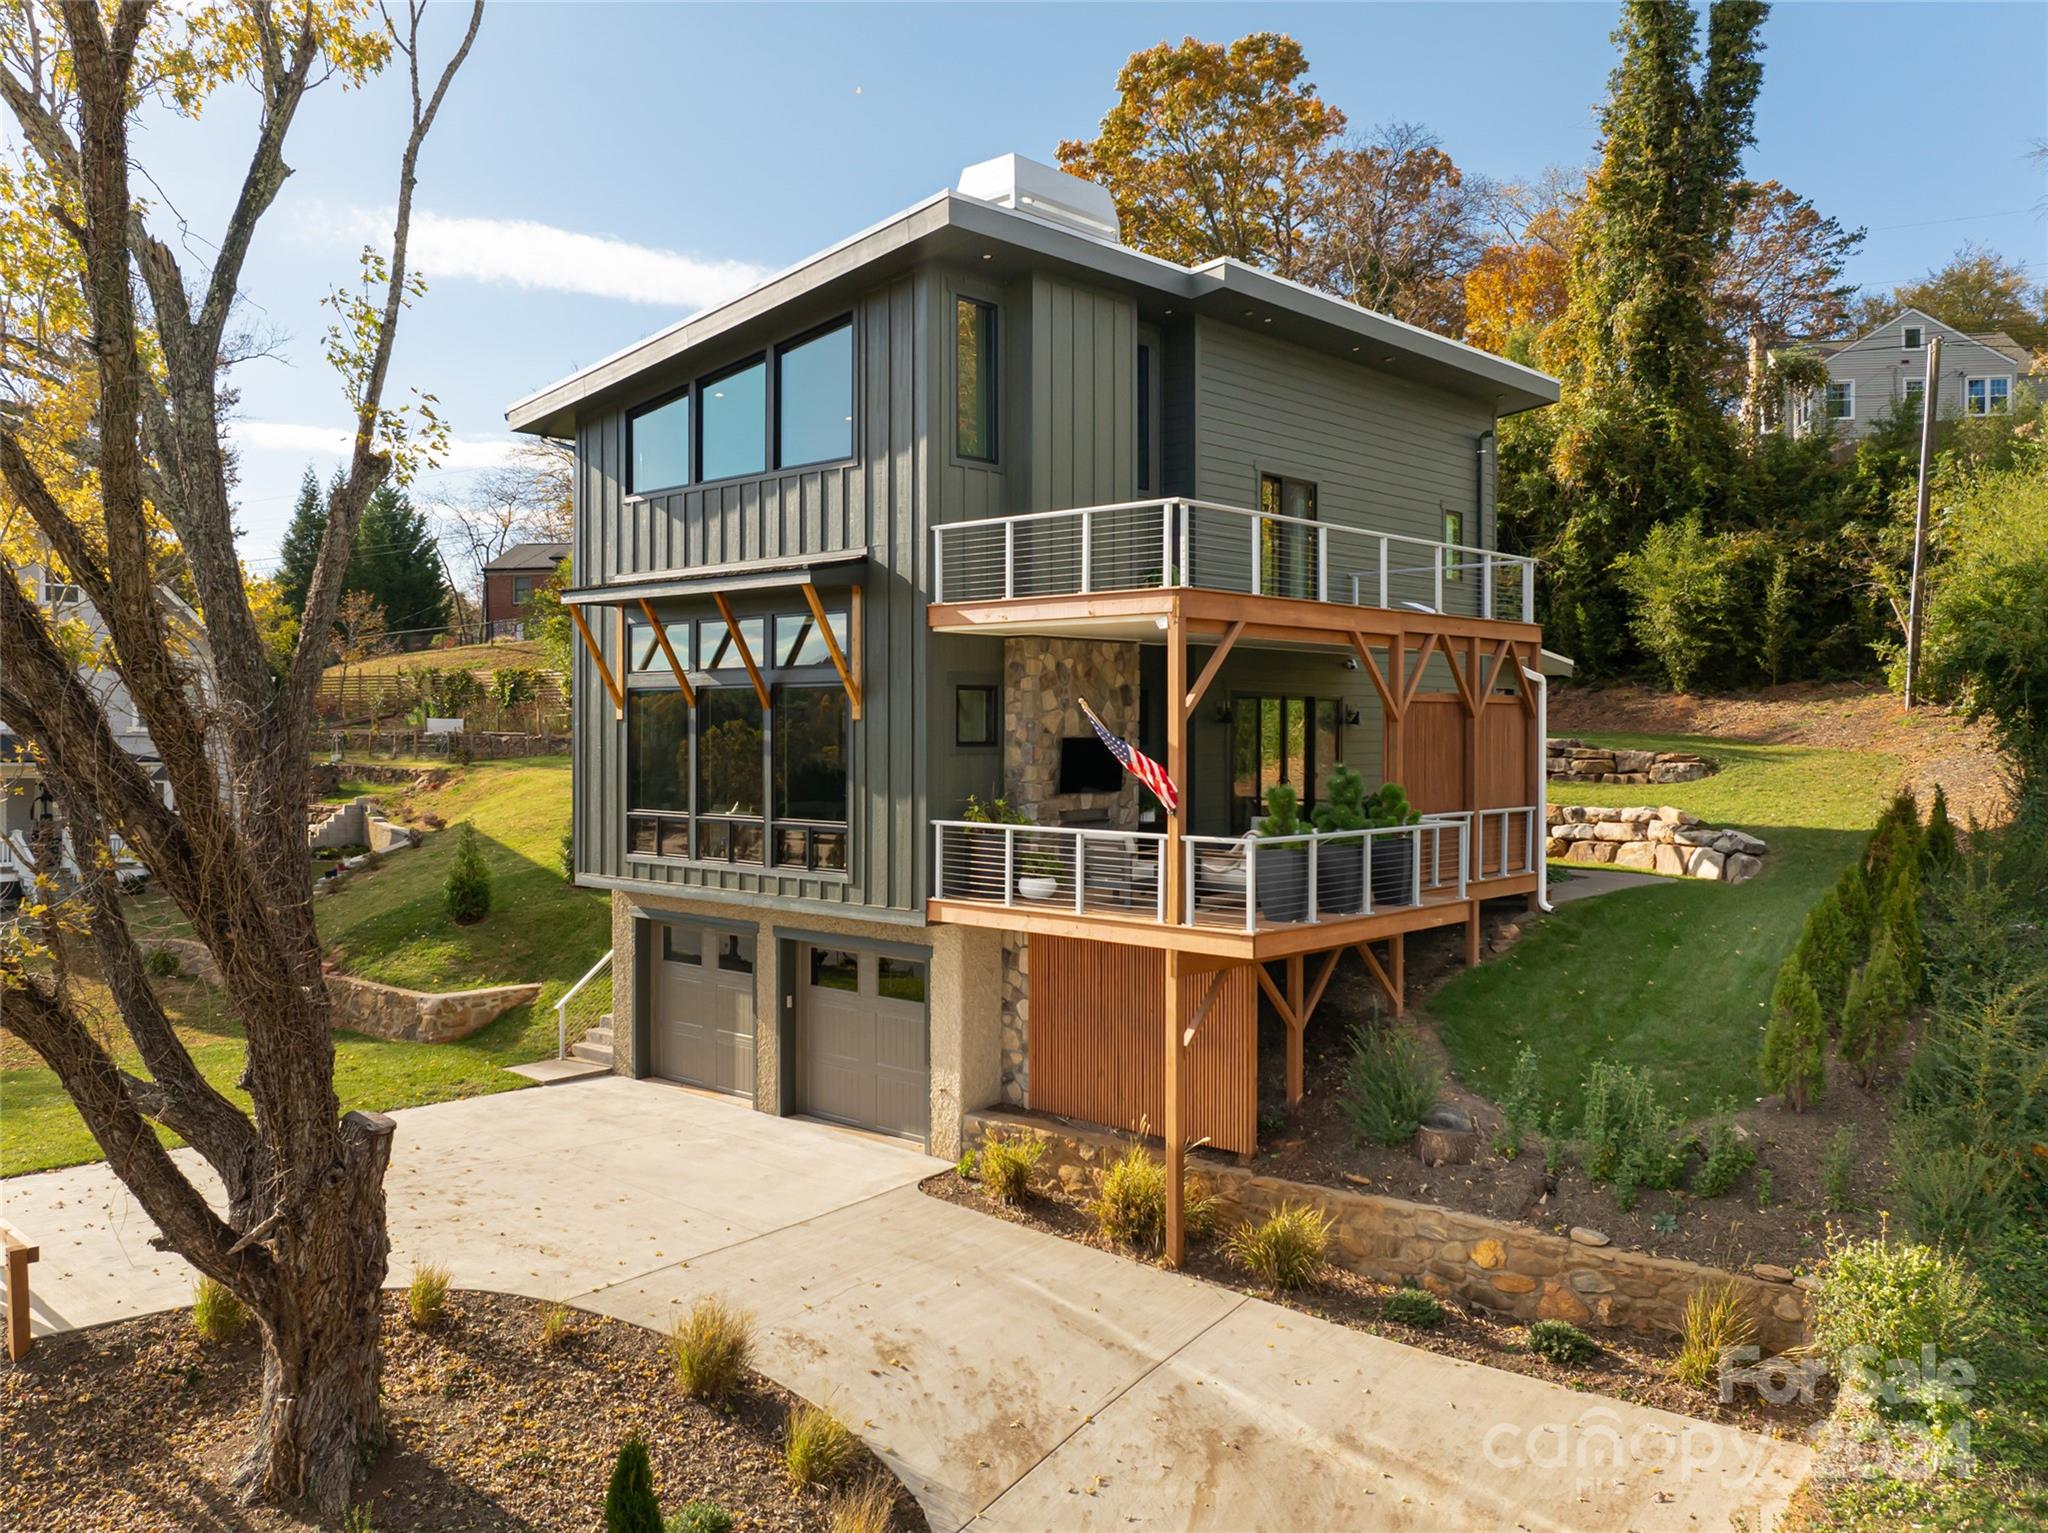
point(511, 579)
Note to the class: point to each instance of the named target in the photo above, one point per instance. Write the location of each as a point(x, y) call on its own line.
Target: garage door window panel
point(899, 979)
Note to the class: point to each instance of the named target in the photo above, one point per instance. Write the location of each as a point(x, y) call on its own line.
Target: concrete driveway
point(1013, 1379)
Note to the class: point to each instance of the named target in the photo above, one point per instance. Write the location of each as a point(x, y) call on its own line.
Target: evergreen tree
point(467, 892)
point(1792, 1063)
point(629, 1501)
point(1874, 1015)
point(1938, 848)
point(397, 562)
point(1852, 889)
point(302, 544)
point(1824, 954)
point(1902, 928)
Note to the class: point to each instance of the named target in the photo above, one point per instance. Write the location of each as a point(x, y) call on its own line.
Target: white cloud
point(522, 253)
point(465, 453)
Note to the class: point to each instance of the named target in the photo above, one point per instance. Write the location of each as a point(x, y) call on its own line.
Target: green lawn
point(1675, 978)
point(389, 925)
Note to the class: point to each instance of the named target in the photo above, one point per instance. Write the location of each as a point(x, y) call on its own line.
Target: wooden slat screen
point(1097, 1042)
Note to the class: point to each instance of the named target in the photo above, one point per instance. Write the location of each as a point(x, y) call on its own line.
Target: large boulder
point(1705, 862)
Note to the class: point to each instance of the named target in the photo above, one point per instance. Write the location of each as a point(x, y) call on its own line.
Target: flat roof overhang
point(825, 570)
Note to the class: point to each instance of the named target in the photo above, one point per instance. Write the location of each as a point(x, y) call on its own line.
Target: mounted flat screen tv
point(1086, 766)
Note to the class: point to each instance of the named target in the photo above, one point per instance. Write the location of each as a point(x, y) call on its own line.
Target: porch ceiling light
point(1160, 622)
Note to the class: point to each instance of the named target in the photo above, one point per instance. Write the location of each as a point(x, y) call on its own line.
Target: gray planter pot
point(1283, 884)
point(1393, 871)
point(1340, 878)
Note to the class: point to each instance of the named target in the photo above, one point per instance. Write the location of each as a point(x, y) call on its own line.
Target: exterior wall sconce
point(1223, 713)
point(1351, 715)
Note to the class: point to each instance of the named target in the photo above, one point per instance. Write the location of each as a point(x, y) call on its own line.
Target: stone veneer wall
point(1509, 1269)
point(1017, 1019)
point(1662, 840)
point(1576, 761)
point(1044, 682)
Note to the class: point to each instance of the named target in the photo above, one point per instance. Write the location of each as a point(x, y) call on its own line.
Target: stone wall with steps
point(1576, 761)
point(1651, 840)
point(1507, 1269)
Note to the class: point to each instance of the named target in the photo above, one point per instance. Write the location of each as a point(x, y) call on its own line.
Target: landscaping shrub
point(1881, 1300)
point(1389, 1087)
point(162, 963)
point(1852, 889)
point(966, 1167)
point(864, 1508)
point(699, 1517)
point(1837, 1170)
point(1519, 1107)
point(1792, 1063)
point(1562, 1342)
point(629, 1503)
point(1765, 1188)
point(567, 855)
point(1947, 1194)
point(711, 1347)
point(1287, 1249)
point(1727, 1155)
point(1902, 929)
point(1627, 1139)
point(1715, 1320)
point(1824, 952)
point(468, 889)
point(217, 1315)
point(556, 1325)
point(818, 1447)
point(1415, 1308)
point(426, 1296)
point(1129, 1206)
point(1007, 1165)
point(1874, 1013)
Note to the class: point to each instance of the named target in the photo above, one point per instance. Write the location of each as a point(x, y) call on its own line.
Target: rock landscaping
point(1650, 839)
point(137, 1426)
point(1576, 761)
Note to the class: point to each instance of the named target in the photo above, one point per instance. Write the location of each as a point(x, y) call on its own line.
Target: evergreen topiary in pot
point(1340, 865)
point(1282, 871)
point(1393, 857)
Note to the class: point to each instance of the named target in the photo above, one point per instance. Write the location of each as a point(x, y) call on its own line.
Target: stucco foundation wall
point(963, 1000)
point(1509, 1269)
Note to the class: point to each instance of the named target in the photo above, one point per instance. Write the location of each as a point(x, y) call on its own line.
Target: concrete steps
point(589, 1057)
point(595, 1046)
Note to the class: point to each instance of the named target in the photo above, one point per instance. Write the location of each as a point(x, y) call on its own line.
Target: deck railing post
point(1009, 864)
point(1366, 842)
point(1322, 564)
point(938, 564)
point(1179, 511)
point(1166, 574)
point(1383, 569)
point(1009, 560)
point(1087, 552)
point(1529, 842)
point(1258, 543)
point(1415, 893)
point(1251, 884)
point(1080, 873)
point(1437, 574)
point(1464, 850)
point(1313, 843)
point(939, 859)
point(1486, 586)
point(1528, 590)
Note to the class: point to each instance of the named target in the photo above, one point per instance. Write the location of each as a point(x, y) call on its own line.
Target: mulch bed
point(1630, 1367)
point(1312, 1142)
point(138, 1426)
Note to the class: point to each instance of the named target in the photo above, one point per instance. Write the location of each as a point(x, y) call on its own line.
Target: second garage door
point(702, 1018)
point(862, 1040)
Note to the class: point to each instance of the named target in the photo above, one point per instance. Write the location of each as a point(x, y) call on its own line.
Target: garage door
point(702, 1022)
point(861, 1040)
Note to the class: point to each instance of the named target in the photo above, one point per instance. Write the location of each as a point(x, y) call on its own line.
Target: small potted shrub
point(1393, 857)
point(1039, 878)
point(985, 849)
point(1282, 870)
point(1340, 866)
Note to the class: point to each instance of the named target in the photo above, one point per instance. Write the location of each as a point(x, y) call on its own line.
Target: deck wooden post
point(1397, 970)
point(1472, 935)
point(1297, 1030)
point(1175, 1127)
point(1397, 678)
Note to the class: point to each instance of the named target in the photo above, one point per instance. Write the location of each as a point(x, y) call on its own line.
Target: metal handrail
point(562, 1006)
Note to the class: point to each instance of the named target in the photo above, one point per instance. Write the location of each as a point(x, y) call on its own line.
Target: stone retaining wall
point(1651, 840)
point(1576, 761)
point(1508, 1269)
point(383, 1011)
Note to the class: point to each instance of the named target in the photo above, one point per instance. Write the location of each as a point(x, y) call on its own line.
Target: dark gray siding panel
point(1385, 454)
point(1177, 409)
point(874, 501)
point(1084, 396)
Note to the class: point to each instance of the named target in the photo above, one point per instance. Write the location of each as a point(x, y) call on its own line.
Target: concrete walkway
point(1013, 1379)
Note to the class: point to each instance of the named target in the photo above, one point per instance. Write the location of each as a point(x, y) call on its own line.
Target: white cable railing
point(1049, 867)
point(1156, 544)
point(582, 1004)
point(1246, 882)
point(1501, 843)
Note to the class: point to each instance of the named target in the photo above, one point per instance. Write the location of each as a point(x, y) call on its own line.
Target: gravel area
point(137, 1426)
point(1629, 1367)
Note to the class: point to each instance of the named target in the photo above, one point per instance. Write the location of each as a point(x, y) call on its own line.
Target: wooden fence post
point(19, 1254)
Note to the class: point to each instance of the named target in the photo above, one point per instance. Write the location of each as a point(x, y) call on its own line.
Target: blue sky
point(706, 144)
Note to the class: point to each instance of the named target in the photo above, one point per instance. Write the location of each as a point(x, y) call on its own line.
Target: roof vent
point(1053, 196)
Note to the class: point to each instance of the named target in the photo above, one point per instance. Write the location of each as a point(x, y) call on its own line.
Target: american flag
point(1138, 764)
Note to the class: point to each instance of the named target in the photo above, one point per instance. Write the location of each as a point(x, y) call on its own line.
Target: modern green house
point(852, 550)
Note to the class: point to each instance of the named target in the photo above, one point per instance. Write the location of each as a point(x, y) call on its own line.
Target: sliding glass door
point(1291, 740)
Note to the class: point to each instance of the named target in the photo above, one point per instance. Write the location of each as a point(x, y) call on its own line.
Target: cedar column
point(1175, 1127)
point(1397, 680)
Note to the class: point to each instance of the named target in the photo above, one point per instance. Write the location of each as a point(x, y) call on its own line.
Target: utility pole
point(1916, 598)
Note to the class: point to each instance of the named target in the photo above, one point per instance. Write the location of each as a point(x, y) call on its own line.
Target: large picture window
point(974, 379)
point(730, 781)
point(733, 421)
point(814, 398)
point(658, 439)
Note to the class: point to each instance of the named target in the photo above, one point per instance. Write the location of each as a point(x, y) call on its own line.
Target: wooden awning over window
point(804, 573)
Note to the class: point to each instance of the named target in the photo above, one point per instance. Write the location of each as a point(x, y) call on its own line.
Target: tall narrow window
point(658, 441)
point(1287, 550)
point(814, 398)
point(733, 422)
point(729, 774)
point(1454, 535)
point(974, 379)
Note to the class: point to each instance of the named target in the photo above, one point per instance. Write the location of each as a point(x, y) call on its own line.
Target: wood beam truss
point(1216, 659)
point(668, 653)
point(732, 626)
point(848, 677)
point(604, 671)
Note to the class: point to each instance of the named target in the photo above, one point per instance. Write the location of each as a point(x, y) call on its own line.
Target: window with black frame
point(730, 781)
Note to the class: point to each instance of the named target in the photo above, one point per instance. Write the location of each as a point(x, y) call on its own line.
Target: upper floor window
point(658, 442)
point(1841, 402)
point(732, 422)
point(1910, 338)
point(522, 590)
point(974, 379)
point(1987, 396)
point(814, 398)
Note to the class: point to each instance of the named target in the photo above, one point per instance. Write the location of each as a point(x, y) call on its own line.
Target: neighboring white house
point(27, 811)
point(1870, 376)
